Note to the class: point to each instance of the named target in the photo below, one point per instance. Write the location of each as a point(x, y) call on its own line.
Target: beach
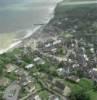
point(31, 32)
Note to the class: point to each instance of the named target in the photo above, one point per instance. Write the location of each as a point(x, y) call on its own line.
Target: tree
point(80, 73)
point(61, 64)
point(95, 86)
point(1, 67)
point(81, 95)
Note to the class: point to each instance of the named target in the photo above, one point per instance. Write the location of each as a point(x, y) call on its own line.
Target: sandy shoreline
point(30, 33)
point(19, 42)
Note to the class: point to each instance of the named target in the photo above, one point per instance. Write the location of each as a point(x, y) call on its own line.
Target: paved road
point(79, 3)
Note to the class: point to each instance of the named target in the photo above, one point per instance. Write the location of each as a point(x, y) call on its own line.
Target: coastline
point(30, 33)
point(19, 42)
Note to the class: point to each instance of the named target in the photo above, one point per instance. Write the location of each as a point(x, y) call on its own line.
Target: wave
point(30, 32)
point(13, 45)
point(10, 47)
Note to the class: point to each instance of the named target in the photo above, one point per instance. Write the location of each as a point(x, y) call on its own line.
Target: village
point(44, 70)
point(62, 67)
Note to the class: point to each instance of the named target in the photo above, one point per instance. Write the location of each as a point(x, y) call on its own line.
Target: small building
point(61, 88)
point(57, 42)
point(36, 59)
point(25, 80)
point(29, 66)
point(94, 69)
point(66, 91)
point(86, 57)
point(41, 62)
point(73, 78)
point(34, 97)
point(47, 45)
point(37, 97)
point(30, 87)
point(93, 74)
point(59, 85)
point(53, 97)
point(20, 72)
point(75, 65)
point(54, 50)
point(60, 71)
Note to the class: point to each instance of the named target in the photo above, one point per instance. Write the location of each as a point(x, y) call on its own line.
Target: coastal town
point(62, 67)
point(48, 69)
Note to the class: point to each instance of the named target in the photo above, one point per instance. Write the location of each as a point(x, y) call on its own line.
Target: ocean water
point(17, 18)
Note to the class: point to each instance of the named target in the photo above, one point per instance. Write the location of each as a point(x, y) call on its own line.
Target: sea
point(20, 18)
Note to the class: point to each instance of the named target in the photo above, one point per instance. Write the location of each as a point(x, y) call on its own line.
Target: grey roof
point(12, 92)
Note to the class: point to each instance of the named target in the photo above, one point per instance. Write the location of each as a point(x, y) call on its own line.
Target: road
point(27, 96)
point(79, 3)
point(51, 90)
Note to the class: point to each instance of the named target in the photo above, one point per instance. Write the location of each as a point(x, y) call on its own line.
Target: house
point(29, 66)
point(75, 65)
point(54, 50)
point(37, 97)
point(10, 68)
point(58, 87)
point(94, 69)
point(61, 88)
point(47, 45)
point(36, 59)
point(20, 72)
point(30, 87)
point(53, 97)
point(34, 97)
point(25, 80)
point(73, 78)
point(60, 71)
point(70, 60)
point(41, 62)
point(57, 42)
point(66, 18)
point(93, 74)
point(86, 57)
point(66, 91)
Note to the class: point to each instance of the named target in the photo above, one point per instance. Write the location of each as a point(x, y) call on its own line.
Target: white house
point(29, 66)
point(54, 49)
point(47, 45)
point(57, 42)
point(36, 59)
